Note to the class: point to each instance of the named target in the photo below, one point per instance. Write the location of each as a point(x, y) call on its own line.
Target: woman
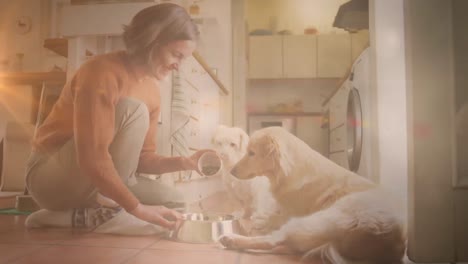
point(102, 130)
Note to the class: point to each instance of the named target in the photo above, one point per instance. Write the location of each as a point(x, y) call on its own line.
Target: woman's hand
point(158, 215)
point(192, 161)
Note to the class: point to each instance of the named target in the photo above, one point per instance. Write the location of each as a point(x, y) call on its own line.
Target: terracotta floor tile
point(77, 255)
point(104, 240)
point(254, 258)
point(151, 256)
point(38, 236)
point(172, 245)
point(11, 252)
point(11, 222)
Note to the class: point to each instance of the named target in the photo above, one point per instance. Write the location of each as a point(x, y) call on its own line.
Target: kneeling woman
point(102, 130)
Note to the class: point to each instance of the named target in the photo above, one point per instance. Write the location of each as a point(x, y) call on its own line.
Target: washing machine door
point(354, 129)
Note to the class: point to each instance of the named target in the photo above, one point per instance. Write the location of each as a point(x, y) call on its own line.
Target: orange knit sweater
point(85, 111)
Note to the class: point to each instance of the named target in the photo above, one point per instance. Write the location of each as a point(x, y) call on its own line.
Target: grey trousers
point(56, 182)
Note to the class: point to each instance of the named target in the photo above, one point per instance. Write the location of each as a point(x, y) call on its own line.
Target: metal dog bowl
point(205, 228)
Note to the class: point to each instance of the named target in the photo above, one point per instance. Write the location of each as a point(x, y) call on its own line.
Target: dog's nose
point(234, 172)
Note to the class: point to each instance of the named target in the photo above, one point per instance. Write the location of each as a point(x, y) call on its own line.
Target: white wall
point(293, 15)
point(216, 47)
point(387, 46)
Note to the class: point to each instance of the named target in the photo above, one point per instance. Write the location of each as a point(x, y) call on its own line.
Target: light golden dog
point(332, 214)
point(253, 195)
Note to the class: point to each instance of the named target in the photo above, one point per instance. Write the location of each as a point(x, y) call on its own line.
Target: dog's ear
point(278, 151)
point(271, 147)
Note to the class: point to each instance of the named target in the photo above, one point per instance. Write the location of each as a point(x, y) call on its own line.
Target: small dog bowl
point(205, 228)
point(210, 164)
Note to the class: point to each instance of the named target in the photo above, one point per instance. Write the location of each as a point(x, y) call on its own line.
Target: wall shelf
point(32, 78)
point(60, 46)
point(284, 113)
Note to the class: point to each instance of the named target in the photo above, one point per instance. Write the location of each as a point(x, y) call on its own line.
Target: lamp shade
point(353, 16)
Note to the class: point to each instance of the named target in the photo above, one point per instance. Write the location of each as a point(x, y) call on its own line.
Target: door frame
point(436, 207)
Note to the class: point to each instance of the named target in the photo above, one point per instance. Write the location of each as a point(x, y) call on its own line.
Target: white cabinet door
point(308, 128)
point(340, 158)
point(300, 56)
point(265, 57)
point(338, 139)
point(334, 55)
point(338, 107)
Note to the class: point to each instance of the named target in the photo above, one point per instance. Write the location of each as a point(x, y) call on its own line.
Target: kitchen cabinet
point(303, 56)
point(308, 128)
point(300, 56)
point(273, 57)
point(333, 55)
point(338, 107)
point(338, 139)
point(340, 158)
point(265, 57)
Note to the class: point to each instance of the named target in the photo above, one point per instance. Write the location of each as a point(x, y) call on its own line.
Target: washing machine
point(359, 134)
point(349, 121)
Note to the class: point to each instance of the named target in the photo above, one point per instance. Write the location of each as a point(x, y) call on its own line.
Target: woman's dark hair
point(156, 26)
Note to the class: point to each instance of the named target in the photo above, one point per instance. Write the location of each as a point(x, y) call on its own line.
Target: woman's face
point(169, 57)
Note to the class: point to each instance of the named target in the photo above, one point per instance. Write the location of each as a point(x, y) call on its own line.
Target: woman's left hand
point(192, 161)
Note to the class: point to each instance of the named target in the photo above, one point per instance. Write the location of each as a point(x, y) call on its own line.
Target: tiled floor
point(20, 245)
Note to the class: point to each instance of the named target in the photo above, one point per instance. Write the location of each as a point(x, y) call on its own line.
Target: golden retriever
point(253, 195)
point(331, 213)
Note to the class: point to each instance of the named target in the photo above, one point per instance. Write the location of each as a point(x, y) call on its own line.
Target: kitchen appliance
point(354, 129)
point(349, 119)
point(257, 122)
point(359, 110)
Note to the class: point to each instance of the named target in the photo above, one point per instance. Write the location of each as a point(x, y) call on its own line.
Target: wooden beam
point(210, 72)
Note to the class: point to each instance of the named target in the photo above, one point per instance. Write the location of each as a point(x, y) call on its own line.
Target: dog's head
point(230, 143)
point(268, 154)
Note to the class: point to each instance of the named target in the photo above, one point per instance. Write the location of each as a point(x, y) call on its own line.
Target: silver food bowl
point(205, 228)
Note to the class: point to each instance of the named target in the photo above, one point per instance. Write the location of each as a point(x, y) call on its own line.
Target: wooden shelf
point(210, 72)
point(60, 46)
point(285, 113)
point(32, 78)
point(57, 45)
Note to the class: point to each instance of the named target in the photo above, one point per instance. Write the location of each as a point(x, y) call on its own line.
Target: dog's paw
point(230, 241)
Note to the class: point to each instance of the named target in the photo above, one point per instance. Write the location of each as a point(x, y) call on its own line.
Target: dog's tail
point(327, 254)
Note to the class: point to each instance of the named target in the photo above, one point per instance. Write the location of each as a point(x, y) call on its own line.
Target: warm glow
point(13, 103)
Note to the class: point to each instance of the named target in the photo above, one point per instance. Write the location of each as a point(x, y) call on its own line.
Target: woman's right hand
point(157, 214)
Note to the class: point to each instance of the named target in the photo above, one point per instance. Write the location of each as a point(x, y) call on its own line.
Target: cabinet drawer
point(340, 158)
point(338, 139)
